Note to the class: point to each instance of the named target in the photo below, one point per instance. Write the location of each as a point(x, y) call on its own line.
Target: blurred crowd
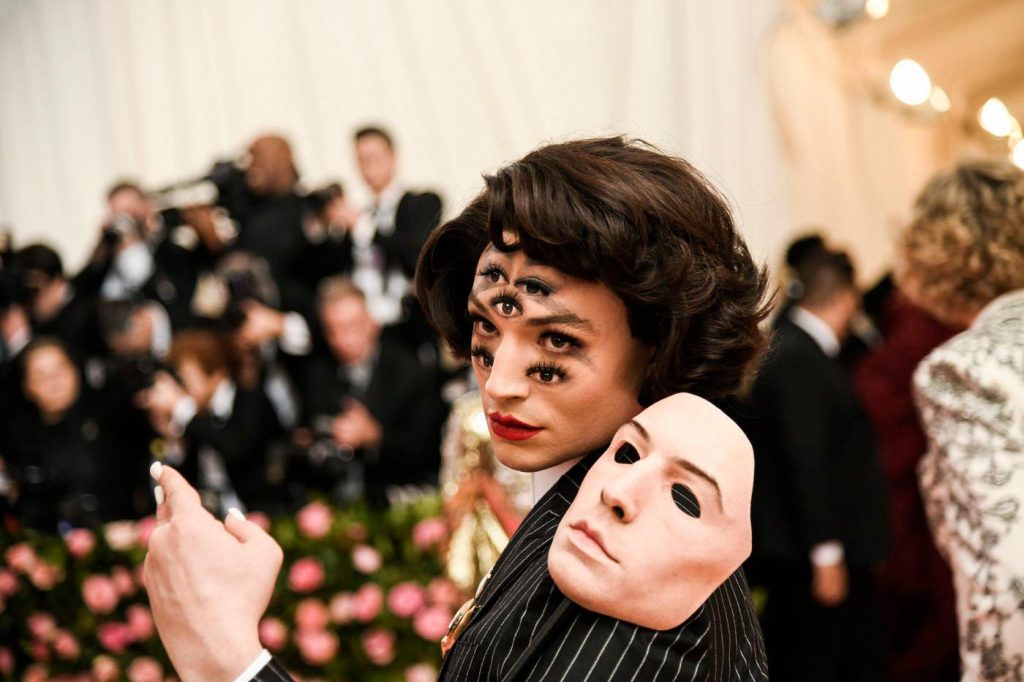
point(259, 336)
point(888, 534)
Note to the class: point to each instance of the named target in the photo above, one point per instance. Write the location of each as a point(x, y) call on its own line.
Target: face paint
point(662, 518)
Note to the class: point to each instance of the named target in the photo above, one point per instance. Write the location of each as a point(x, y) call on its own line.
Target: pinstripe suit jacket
point(526, 629)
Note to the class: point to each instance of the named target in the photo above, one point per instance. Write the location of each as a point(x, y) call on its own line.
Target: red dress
point(915, 582)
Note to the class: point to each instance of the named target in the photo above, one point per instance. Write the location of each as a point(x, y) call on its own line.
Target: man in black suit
point(371, 396)
point(818, 507)
point(387, 239)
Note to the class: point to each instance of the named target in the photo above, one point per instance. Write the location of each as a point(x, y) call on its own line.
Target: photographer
point(370, 398)
point(65, 456)
point(222, 430)
point(61, 307)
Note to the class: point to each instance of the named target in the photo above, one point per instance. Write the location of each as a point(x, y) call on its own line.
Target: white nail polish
point(237, 513)
point(158, 493)
point(154, 470)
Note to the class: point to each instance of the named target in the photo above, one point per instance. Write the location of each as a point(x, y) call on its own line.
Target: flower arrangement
point(360, 597)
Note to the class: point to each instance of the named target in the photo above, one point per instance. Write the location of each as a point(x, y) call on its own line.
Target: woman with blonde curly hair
point(962, 259)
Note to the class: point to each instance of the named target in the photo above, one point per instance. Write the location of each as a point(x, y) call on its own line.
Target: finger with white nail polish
point(158, 493)
point(154, 470)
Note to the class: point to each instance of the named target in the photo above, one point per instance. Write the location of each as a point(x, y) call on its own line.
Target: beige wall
point(91, 90)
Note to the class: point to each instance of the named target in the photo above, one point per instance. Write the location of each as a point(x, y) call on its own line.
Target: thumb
point(177, 497)
point(243, 530)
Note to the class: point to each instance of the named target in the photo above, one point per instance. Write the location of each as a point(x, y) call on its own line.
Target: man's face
point(376, 161)
point(271, 170)
point(662, 518)
point(558, 368)
point(197, 383)
point(351, 333)
point(51, 382)
point(130, 202)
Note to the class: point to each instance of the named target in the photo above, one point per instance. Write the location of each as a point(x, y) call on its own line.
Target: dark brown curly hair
point(647, 225)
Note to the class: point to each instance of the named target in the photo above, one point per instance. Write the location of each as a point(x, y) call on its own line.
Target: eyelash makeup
point(482, 354)
point(507, 301)
point(685, 500)
point(490, 271)
point(627, 454)
point(547, 372)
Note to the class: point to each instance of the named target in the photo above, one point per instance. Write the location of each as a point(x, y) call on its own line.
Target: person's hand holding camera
point(356, 428)
point(261, 324)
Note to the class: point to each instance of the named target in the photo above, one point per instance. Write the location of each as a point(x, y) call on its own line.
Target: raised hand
point(208, 582)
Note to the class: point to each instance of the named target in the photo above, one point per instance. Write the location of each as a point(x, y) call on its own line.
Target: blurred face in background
point(51, 382)
point(197, 382)
point(351, 333)
point(130, 202)
point(376, 160)
point(558, 367)
point(271, 170)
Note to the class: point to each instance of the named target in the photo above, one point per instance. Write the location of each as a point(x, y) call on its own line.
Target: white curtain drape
point(94, 90)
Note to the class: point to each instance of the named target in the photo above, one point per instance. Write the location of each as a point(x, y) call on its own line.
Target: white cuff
point(184, 410)
point(254, 667)
point(295, 337)
point(828, 553)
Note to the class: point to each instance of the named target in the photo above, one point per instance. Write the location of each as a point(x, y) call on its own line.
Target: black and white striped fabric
point(272, 672)
point(526, 629)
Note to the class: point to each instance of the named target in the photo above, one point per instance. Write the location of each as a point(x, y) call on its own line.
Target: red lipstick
point(510, 428)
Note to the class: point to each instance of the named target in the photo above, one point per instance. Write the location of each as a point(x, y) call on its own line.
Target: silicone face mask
point(662, 518)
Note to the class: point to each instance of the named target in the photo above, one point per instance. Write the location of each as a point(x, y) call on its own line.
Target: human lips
point(508, 427)
point(590, 537)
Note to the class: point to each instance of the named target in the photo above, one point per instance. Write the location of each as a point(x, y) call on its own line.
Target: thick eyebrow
point(566, 317)
point(683, 463)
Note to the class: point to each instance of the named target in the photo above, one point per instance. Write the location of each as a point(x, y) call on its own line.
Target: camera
point(121, 225)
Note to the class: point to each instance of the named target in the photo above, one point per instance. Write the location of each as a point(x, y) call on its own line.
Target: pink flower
point(8, 583)
point(314, 520)
point(405, 599)
point(121, 535)
point(39, 651)
point(145, 528)
point(42, 626)
point(273, 634)
point(367, 602)
point(306, 575)
point(36, 673)
point(44, 576)
point(429, 533)
point(80, 542)
point(66, 646)
point(342, 608)
point(21, 557)
point(379, 645)
point(421, 672)
point(317, 647)
point(145, 669)
point(356, 532)
point(99, 594)
point(105, 669)
point(140, 622)
point(443, 592)
point(6, 661)
point(123, 581)
point(311, 614)
point(432, 623)
point(115, 637)
point(366, 559)
point(260, 519)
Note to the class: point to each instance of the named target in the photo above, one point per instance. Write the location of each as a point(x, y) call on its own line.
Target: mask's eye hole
point(685, 500)
point(626, 454)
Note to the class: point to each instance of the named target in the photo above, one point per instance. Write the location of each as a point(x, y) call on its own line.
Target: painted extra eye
point(533, 288)
point(626, 454)
point(507, 308)
point(685, 500)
